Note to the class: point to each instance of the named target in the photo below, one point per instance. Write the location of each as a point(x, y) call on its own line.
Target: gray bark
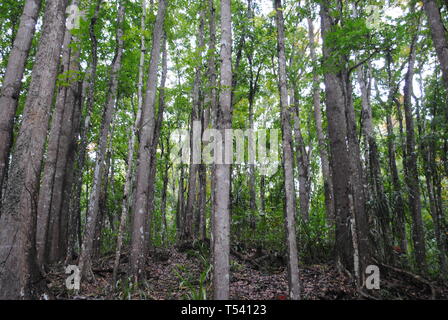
point(288, 161)
point(89, 94)
point(12, 81)
point(412, 175)
point(19, 274)
point(221, 205)
point(146, 134)
point(156, 139)
point(337, 132)
point(328, 184)
point(377, 194)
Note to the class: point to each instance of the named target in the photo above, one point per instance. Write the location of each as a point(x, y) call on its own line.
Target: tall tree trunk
point(439, 36)
point(92, 212)
point(399, 218)
point(46, 187)
point(49, 214)
point(337, 132)
point(19, 274)
point(156, 138)
point(221, 205)
point(65, 142)
point(288, 161)
point(89, 95)
point(68, 224)
point(377, 194)
point(326, 174)
point(253, 89)
point(212, 96)
point(412, 176)
point(357, 182)
point(12, 81)
point(195, 117)
point(146, 134)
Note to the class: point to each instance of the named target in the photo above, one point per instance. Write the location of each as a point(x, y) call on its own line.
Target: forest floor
point(176, 273)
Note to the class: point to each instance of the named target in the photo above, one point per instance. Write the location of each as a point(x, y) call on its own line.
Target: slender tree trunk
point(288, 161)
point(377, 194)
point(137, 259)
point(412, 176)
point(92, 212)
point(19, 273)
point(221, 206)
point(67, 227)
point(195, 117)
point(400, 219)
point(155, 142)
point(357, 182)
point(253, 89)
point(12, 81)
point(89, 94)
point(328, 184)
point(212, 94)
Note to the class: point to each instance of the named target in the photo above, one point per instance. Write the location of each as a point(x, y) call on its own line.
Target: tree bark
point(89, 94)
point(337, 132)
point(19, 274)
point(288, 161)
point(46, 187)
point(146, 134)
point(221, 206)
point(12, 81)
point(326, 174)
point(377, 194)
point(156, 138)
point(412, 176)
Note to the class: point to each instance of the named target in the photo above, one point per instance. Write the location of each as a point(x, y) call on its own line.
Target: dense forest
point(205, 149)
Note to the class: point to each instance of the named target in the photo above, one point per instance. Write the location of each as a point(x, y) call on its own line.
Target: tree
point(288, 161)
point(412, 176)
point(221, 205)
point(19, 274)
point(146, 135)
point(328, 184)
point(12, 81)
